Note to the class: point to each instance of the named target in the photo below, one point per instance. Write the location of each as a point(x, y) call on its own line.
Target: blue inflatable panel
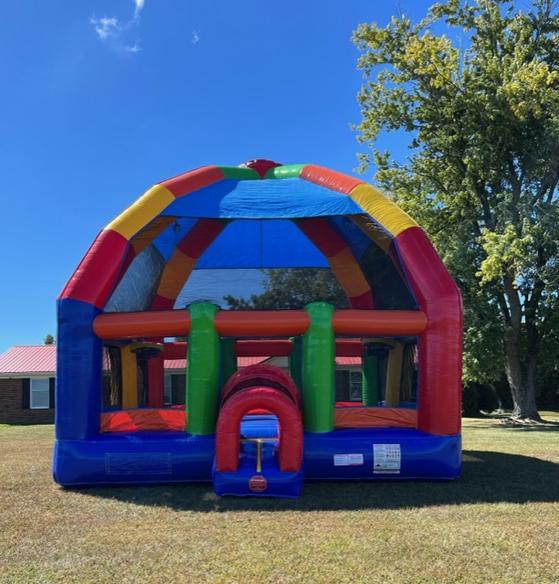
point(146, 457)
point(173, 457)
point(247, 482)
point(259, 426)
point(262, 199)
point(381, 453)
point(78, 371)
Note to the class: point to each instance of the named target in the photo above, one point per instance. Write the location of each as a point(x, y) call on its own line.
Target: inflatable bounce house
point(260, 430)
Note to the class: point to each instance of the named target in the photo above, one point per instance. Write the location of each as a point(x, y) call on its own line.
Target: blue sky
point(101, 99)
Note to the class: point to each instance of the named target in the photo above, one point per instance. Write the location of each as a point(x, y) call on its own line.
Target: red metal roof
point(29, 359)
point(42, 359)
point(175, 364)
point(246, 361)
point(348, 361)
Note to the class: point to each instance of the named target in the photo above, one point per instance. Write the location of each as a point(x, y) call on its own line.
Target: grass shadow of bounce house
point(260, 430)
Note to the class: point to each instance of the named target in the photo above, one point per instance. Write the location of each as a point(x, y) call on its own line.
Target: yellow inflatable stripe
point(387, 213)
point(175, 274)
point(144, 210)
point(348, 273)
point(129, 370)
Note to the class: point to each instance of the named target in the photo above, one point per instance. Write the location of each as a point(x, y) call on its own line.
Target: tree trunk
point(521, 354)
point(521, 376)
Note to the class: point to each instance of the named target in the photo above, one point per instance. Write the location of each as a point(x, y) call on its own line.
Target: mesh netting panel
point(390, 291)
point(137, 288)
point(282, 289)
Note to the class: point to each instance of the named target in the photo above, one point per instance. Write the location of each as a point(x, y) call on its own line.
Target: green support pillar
point(296, 362)
point(370, 374)
point(202, 372)
point(228, 359)
point(319, 369)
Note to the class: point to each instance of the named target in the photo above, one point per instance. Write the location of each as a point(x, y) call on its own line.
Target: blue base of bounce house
point(176, 457)
point(269, 481)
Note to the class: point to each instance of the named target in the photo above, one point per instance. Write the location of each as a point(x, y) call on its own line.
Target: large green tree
point(293, 289)
point(475, 85)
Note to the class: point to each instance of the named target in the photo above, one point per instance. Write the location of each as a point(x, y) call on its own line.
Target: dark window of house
point(179, 389)
point(355, 386)
point(40, 394)
point(342, 385)
point(37, 393)
point(175, 388)
point(348, 385)
point(52, 385)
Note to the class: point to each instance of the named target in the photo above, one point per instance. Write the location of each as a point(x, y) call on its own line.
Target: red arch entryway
point(265, 388)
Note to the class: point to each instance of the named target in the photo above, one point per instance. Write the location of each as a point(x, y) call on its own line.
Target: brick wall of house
point(11, 406)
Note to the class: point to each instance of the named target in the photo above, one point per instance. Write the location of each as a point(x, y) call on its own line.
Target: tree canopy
point(480, 103)
point(292, 289)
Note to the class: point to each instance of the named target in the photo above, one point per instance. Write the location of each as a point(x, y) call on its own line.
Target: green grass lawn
point(498, 523)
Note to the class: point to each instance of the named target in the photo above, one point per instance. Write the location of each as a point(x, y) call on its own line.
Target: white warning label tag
point(356, 459)
point(387, 459)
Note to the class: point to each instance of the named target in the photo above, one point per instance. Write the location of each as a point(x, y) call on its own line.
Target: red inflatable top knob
point(261, 165)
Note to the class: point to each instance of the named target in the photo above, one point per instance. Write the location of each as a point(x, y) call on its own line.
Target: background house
point(27, 384)
point(27, 377)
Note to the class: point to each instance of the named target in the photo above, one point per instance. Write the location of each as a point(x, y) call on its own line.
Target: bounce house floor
point(173, 419)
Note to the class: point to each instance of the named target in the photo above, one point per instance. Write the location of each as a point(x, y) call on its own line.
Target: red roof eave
point(41, 360)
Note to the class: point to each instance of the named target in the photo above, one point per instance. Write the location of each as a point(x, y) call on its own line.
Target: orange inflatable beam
point(394, 323)
point(132, 325)
point(263, 323)
point(168, 323)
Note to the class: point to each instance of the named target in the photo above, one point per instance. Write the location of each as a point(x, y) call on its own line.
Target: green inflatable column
point(296, 362)
point(370, 375)
point(202, 373)
point(228, 359)
point(319, 369)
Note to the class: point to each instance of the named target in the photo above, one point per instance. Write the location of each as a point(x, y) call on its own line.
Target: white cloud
point(106, 26)
point(138, 7)
point(195, 37)
point(111, 29)
point(135, 48)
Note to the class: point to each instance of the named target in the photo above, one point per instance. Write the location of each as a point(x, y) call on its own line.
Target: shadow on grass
point(547, 427)
point(489, 424)
point(487, 477)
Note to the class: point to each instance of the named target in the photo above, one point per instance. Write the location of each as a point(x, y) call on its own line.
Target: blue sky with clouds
point(102, 98)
